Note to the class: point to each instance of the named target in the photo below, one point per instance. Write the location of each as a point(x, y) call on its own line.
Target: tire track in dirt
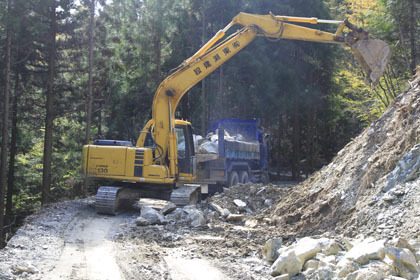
point(88, 253)
point(182, 268)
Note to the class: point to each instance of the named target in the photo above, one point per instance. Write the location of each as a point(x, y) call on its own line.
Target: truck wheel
point(233, 179)
point(265, 178)
point(243, 177)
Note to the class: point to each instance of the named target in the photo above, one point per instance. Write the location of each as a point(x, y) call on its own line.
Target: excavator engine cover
point(373, 56)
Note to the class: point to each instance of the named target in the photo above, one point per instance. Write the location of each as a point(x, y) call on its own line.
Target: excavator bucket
point(373, 55)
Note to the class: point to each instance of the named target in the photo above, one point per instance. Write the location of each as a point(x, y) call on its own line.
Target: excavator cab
point(185, 150)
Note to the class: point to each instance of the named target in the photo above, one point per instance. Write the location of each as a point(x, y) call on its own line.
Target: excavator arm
point(373, 56)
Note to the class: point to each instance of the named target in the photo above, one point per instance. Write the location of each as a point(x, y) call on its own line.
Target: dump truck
point(156, 164)
point(234, 151)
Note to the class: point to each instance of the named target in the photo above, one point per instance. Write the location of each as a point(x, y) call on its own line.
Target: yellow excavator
point(164, 153)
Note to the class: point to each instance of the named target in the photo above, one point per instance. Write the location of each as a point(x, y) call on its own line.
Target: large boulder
point(404, 256)
point(169, 208)
point(270, 250)
point(306, 248)
point(194, 216)
point(152, 216)
point(287, 263)
point(365, 251)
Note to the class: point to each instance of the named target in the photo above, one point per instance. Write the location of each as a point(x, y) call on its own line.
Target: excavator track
point(110, 199)
point(107, 200)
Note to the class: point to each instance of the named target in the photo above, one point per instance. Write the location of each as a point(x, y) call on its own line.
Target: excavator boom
point(373, 56)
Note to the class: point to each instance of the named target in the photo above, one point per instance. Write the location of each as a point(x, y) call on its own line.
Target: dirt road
point(88, 252)
point(70, 241)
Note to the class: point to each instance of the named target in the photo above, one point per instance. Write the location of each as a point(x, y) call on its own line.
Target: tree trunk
point(203, 83)
point(400, 32)
point(280, 135)
point(412, 21)
point(49, 117)
point(5, 137)
point(13, 141)
point(100, 122)
point(158, 41)
point(295, 144)
point(90, 83)
point(310, 150)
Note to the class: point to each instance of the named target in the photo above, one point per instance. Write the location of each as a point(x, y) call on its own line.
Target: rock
point(400, 269)
point(268, 202)
point(270, 249)
point(251, 223)
point(239, 203)
point(330, 246)
point(286, 263)
point(169, 208)
point(389, 197)
point(326, 260)
point(152, 216)
point(194, 216)
point(282, 277)
point(306, 248)
point(5, 276)
point(268, 221)
point(406, 169)
point(217, 208)
point(311, 264)
point(235, 217)
point(347, 268)
point(394, 278)
point(366, 273)
point(326, 272)
point(25, 269)
point(213, 216)
point(225, 213)
point(348, 244)
point(140, 221)
point(361, 253)
point(252, 190)
point(402, 243)
point(404, 256)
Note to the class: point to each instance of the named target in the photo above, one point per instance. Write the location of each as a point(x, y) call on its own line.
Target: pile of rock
point(326, 258)
point(189, 215)
point(247, 204)
point(247, 199)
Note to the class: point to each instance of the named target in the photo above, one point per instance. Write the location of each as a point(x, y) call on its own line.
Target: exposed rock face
point(372, 187)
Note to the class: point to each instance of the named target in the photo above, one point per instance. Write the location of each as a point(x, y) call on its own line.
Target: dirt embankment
point(370, 187)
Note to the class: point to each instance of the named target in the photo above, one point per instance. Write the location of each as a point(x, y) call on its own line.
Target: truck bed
point(234, 149)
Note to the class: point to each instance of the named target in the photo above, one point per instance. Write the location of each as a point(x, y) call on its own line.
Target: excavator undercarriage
point(113, 199)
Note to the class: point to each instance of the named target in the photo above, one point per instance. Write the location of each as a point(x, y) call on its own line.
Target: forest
point(77, 70)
